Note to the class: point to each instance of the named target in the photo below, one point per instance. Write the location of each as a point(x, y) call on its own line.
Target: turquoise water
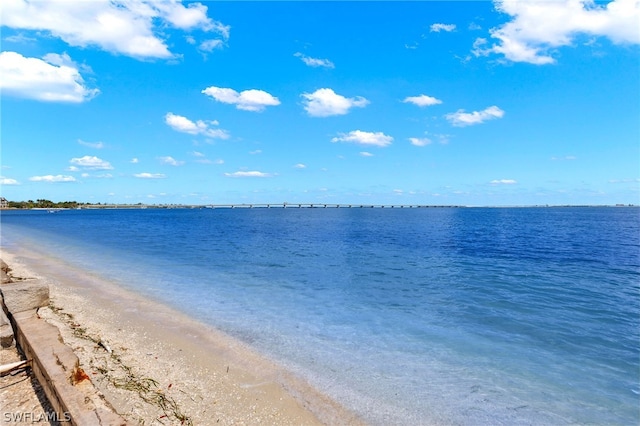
point(464, 316)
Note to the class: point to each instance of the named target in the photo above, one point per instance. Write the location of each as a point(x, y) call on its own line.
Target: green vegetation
point(43, 204)
point(48, 204)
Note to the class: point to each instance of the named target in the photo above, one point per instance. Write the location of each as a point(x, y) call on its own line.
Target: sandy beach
point(157, 366)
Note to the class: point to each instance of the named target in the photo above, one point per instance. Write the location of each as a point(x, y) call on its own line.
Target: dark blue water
point(408, 316)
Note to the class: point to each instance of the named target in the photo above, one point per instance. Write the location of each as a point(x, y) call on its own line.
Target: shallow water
point(408, 316)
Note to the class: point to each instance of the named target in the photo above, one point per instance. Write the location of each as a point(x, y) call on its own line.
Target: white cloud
point(19, 38)
point(442, 138)
point(566, 157)
point(63, 60)
point(91, 162)
point(131, 28)
point(200, 127)
point(211, 45)
point(422, 100)
point(314, 62)
point(170, 161)
point(430, 138)
point(248, 174)
point(436, 28)
point(197, 154)
point(100, 176)
point(8, 181)
point(628, 180)
point(193, 16)
point(96, 145)
point(461, 118)
point(538, 27)
point(299, 166)
point(247, 100)
point(52, 79)
point(134, 161)
point(364, 138)
point(503, 182)
point(256, 152)
point(150, 175)
point(51, 178)
point(326, 102)
point(365, 154)
point(420, 141)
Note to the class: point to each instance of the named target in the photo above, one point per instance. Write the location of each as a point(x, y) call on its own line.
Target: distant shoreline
point(309, 206)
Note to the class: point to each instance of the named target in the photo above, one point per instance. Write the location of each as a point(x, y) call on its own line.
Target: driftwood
point(14, 366)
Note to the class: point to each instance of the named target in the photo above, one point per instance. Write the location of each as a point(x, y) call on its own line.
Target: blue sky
point(472, 103)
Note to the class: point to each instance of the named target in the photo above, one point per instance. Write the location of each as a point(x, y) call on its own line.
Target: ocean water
point(456, 316)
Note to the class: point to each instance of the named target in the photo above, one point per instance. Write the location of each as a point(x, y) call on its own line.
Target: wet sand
point(157, 366)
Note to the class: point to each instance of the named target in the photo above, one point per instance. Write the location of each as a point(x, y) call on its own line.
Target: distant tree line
point(43, 204)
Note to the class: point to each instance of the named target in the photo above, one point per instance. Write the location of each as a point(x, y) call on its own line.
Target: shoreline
point(317, 205)
point(208, 376)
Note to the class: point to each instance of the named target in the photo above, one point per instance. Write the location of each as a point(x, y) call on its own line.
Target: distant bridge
point(264, 206)
point(319, 206)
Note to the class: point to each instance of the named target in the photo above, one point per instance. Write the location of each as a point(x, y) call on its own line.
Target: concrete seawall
point(68, 388)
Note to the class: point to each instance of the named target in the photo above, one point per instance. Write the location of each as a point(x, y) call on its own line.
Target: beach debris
point(123, 376)
point(78, 376)
point(149, 391)
point(105, 346)
point(6, 368)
